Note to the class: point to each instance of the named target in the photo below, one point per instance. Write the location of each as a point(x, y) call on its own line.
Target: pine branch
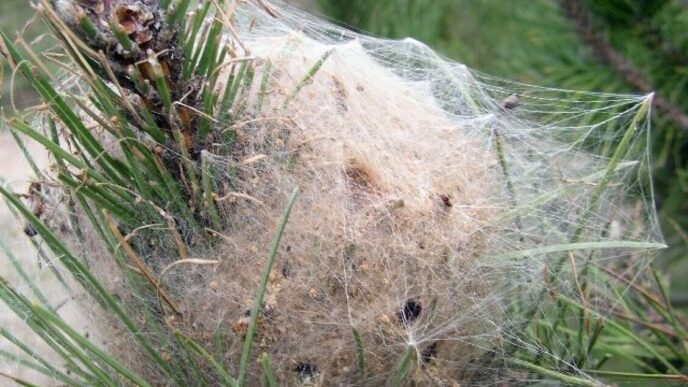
point(606, 54)
point(139, 42)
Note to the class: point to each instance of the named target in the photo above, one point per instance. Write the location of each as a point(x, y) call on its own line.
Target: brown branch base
point(134, 36)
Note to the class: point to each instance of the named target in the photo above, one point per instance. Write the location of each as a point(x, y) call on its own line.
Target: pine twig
point(606, 54)
point(140, 42)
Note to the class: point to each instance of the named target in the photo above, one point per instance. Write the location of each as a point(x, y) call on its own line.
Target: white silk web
point(444, 213)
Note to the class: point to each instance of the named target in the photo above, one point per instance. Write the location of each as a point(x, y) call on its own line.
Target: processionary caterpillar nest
point(439, 208)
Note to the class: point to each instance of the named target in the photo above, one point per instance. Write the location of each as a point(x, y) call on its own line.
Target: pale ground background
point(15, 173)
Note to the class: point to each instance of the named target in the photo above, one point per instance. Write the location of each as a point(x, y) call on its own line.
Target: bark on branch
point(142, 50)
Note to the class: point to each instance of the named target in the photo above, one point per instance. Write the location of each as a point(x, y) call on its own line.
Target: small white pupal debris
point(69, 9)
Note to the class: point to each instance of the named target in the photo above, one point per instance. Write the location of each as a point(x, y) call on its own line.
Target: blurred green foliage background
point(16, 17)
point(627, 46)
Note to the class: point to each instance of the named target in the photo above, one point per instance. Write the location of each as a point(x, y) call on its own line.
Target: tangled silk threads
point(440, 208)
